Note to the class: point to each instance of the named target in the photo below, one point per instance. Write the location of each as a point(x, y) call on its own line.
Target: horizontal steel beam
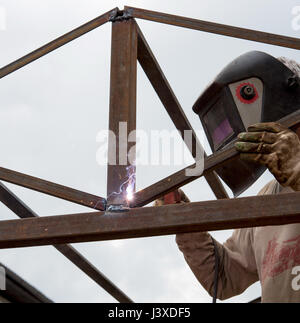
point(212, 162)
point(215, 28)
point(168, 98)
point(152, 221)
point(58, 42)
point(53, 189)
point(8, 198)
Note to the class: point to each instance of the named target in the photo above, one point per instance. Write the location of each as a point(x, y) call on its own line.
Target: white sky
point(52, 110)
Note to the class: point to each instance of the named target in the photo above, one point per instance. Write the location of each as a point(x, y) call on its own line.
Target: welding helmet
point(255, 87)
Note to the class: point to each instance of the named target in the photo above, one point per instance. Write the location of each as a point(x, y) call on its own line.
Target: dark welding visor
point(255, 87)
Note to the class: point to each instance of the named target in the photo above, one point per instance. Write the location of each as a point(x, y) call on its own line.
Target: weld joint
point(121, 15)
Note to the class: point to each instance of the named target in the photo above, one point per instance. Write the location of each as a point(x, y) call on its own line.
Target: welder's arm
point(274, 146)
point(237, 268)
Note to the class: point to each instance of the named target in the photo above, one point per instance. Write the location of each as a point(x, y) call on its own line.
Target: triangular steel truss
point(129, 46)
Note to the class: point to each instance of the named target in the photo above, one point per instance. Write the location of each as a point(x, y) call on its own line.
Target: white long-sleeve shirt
point(270, 254)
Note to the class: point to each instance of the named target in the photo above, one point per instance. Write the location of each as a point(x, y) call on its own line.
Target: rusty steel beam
point(215, 28)
point(212, 162)
point(122, 108)
point(58, 42)
point(16, 205)
point(53, 189)
point(213, 215)
point(168, 98)
point(8, 198)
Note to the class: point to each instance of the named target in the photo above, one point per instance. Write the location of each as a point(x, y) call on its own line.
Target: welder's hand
point(274, 146)
point(177, 196)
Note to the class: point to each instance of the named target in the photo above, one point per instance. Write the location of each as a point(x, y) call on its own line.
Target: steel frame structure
point(127, 47)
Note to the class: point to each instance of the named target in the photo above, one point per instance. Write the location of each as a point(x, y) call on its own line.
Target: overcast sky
point(52, 110)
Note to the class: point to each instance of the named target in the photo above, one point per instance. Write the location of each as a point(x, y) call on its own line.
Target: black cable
point(216, 277)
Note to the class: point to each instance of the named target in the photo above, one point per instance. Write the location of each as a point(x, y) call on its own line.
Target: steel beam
point(8, 198)
point(58, 42)
point(53, 189)
point(212, 162)
point(164, 91)
point(215, 28)
point(152, 221)
point(122, 109)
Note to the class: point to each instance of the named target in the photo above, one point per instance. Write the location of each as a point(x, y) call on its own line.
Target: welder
point(244, 102)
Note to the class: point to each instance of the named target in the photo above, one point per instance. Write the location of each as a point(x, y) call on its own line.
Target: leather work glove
point(274, 146)
point(174, 197)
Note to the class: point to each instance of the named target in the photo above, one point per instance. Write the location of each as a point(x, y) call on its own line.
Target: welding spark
point(130, 182)
point(128, 185)
point(129, 192)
